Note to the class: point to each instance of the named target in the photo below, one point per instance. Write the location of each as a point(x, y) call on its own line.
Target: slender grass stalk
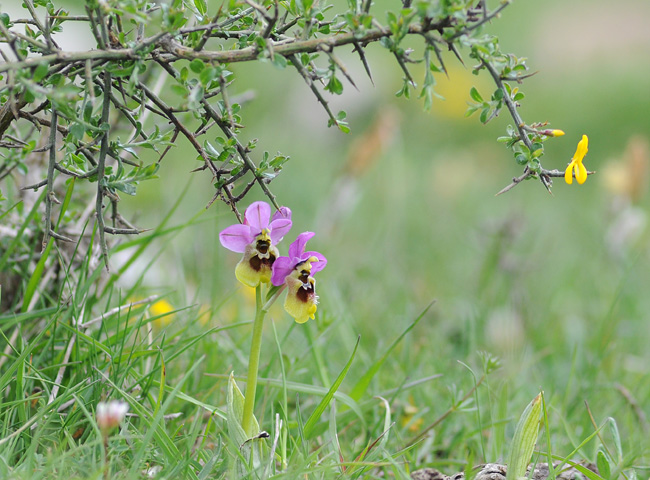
point(253, 363)
point(107, 460)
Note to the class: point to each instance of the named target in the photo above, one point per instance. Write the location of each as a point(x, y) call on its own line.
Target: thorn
point(362, 55)
point(453, 48)
point(439, 55)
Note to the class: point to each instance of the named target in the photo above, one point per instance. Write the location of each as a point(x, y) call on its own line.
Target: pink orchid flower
point(256, 239)
point(296, 272)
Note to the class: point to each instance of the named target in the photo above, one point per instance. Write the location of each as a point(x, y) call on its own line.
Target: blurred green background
point(404, 208)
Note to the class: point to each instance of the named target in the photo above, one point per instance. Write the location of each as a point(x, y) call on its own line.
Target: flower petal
point(300, 308)
point(319, 265)
point(236, 237)
point(298, 246)
point(568, 174)
point(284, 212)
point(279, 228)
point(257, 215)
point(582, 149)
point(301, 312)
point(581, 175)
point(282, 267)
point(248, 276)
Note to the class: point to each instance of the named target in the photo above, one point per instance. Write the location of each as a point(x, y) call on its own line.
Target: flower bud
point(552, 133)
point(110, 414)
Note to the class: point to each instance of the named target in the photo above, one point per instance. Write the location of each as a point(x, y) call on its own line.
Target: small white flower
point(110, 414)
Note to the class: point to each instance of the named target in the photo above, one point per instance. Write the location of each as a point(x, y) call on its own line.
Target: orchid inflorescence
point(257, 239)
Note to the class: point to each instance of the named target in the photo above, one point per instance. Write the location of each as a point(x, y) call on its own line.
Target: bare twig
point(305, 75)
point(101, 165)
point(486, 18)
point(542, 174)
point(208, 31)
point(119, 309)
point(50, 181)
point(243, 153)
point(176, 51)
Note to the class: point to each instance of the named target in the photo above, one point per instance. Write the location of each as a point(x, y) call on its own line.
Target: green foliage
point(524, 440)
point(195, 53)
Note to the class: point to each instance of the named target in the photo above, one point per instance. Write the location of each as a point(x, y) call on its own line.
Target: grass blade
point(362, 385)
point(316, 414)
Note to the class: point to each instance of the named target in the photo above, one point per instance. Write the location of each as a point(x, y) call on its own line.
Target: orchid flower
point(576, 163)
point(256, 239)
point(296, 272)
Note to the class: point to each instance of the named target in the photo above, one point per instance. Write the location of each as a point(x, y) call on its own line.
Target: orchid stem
point(253, 364)
point(272, 300)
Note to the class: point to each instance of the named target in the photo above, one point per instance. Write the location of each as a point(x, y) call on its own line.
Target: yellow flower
point(576, 163)
point(162, 309)
point(556, 133)
point(408, 416)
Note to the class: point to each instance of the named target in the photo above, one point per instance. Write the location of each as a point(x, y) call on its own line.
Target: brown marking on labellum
point(306, 290)
point(257, 263)
point(262, 246)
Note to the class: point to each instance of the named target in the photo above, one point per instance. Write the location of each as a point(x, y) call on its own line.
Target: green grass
point(418, 392)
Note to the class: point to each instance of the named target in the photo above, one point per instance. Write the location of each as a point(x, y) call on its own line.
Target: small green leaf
point(613, 428)
point(40, 72)
point(471, 110)
point(334, 85)
point(524, 440)
point(208, 74)
point(77, 130)
point(603, 465)
point(235, 412)
point(484, 115)
point(197, 65)
point(475, 95)
point(178, 90)
point(201, 6)
point(279, 61)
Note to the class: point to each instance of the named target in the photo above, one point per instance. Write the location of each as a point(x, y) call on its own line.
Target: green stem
point(253, 364)
point(107, 460)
